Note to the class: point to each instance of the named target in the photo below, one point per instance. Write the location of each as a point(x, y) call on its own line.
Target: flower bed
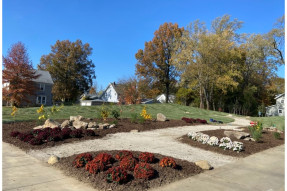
point(224, 143)
point(191, 120)
point(123, 125)
point(250, 147)
point(113, 175)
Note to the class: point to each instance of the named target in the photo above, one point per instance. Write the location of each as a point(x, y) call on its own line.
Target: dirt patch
point(267, 141)
point(124, 125)
point(163, 175)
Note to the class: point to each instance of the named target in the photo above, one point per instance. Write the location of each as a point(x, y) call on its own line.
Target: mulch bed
point(124, 125)
point(267, 141)
point(164, 175)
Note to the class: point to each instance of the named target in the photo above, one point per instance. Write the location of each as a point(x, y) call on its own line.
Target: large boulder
point(236, 134)
point(53, 159)
point(66, 123)
point(93, 125)
point(203, 164)
point(80, 125)
point(38, 127)
point(51, 123)
point(76, 118)
point(161, 117)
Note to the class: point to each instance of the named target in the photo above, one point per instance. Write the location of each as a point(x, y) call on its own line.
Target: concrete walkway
point(22, 172)
point(262, 171)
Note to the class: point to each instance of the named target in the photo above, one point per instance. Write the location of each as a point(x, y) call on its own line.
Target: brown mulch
point(124, 125)
point(163, 176)
point(267, 141)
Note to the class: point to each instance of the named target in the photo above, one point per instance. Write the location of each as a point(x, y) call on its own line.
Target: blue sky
point(117, 29)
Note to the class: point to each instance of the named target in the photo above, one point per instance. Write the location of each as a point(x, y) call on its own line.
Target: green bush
point(134, 117)
point(276, 135)
point(256, 131)
point(115, 114)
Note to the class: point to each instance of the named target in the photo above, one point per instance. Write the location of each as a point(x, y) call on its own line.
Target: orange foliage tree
point(155, 61)
point(18, 75)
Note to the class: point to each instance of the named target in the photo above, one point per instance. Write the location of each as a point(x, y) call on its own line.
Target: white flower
point(203, 138)
point(225, 140)
point(213, 141)
point(237, 146)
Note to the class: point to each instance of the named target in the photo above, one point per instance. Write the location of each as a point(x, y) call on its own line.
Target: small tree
point(18, 75)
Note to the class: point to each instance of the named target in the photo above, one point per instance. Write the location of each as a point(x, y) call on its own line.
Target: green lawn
point(276, 121)
point(172, 111)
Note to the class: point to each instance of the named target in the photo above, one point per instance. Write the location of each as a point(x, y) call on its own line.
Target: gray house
point(43, 94)
point(279, 108)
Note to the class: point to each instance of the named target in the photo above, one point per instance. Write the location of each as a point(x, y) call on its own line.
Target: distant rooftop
point(44, 77)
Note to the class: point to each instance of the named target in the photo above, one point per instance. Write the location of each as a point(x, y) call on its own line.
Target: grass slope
point(276, 121)
point(171, 111)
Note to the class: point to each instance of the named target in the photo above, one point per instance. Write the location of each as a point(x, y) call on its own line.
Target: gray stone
point(161, 117)
point(80, 125)
point(51, 123)
point(236, 134)
point(112, 126)
point(203, 164)
point(76, 118)
point(104, 126)
point(249, 139)
point(53, 159)
point(66, 123)
point(92, 125)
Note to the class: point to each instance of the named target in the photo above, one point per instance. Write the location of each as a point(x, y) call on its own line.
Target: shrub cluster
point(117, 174)
point(82, 159)
point(128, 163)
point(104, 158)
point(95, 166)
point(146, 157)
point(191, 120)
point(167, 162)
point(48, 134)
point(144, 171)
point(122, 154)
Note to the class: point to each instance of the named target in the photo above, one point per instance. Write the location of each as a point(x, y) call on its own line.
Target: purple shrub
point(90, 132)
point(54, 136)
point(21, 136)
point(48, 129)
point(36, 132)
point(76, 133)
point(43, 135)
point(28, 138)
point(203, 121)
point(57, 130)
point(14, 133)
point(35, 141)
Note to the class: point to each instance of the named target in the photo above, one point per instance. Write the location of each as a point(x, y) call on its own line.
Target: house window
point(41, 100)
point(42, 87)
point(282, 101)
point(280, 111)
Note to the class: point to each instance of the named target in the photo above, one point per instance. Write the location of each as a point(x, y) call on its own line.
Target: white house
point(161, 98)
point(279, 108)
point(112, 93)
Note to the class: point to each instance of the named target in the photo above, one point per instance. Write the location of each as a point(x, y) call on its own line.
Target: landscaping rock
point(51, 123)
point(80, 125)
point(66, 123)
point(38, 127)
point(203, 164)
point(236, 134)
point(104, 126)
point(92, 125)
point(76, 118)
point(53, 159)
point(161, 117)
point(112, 126)
point(249, 139)
point(241, 129)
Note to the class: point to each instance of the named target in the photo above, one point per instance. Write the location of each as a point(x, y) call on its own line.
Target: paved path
point(22, 172)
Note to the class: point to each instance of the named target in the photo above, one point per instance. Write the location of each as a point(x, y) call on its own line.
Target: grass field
point(276, 121)
point(171, 111)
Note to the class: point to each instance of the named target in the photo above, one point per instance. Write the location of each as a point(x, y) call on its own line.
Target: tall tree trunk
point(201, 98)
point(167, 92)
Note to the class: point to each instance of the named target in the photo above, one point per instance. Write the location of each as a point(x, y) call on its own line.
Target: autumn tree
point(129, 93)
point(155, 60)
point(70, 67)
point(18, 75)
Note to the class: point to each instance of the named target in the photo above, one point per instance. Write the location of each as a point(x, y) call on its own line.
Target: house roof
point(44, 77)
point(279, 95)
point(117, 87)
